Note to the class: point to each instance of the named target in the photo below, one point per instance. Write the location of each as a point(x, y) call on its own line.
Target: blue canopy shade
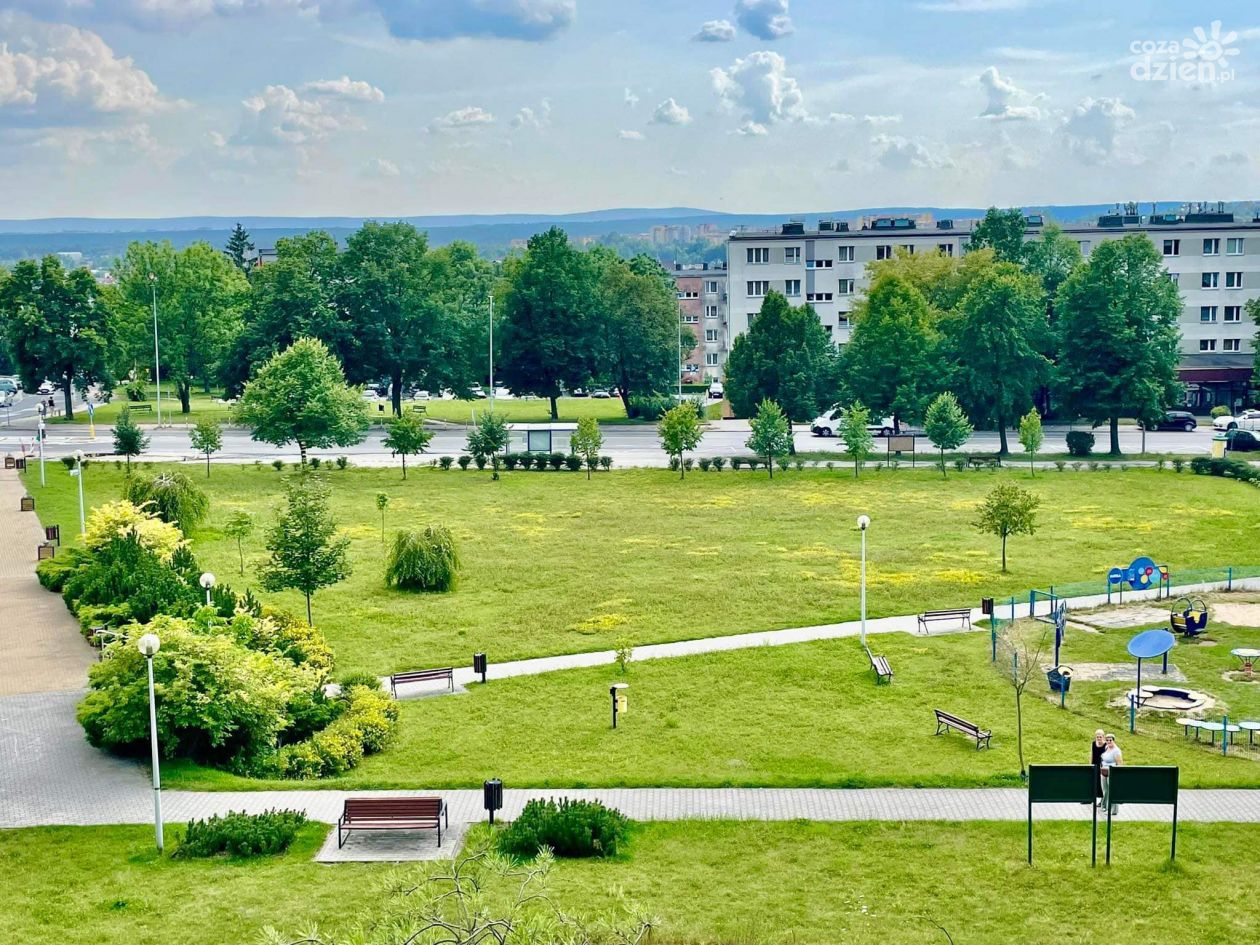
point(1151, 643)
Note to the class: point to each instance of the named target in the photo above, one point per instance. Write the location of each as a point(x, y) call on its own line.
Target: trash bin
point(492, 796)
point(1219, 442)
point(1060, 679)
point(986, 606)
point(479, 665)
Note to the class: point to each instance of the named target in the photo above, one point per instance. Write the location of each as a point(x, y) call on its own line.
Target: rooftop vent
point(826, 226)
point(1034, 219)
point(944, 224)
point(794, 228)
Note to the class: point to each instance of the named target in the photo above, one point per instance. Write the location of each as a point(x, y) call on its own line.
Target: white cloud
point(501, 19)
point(669, 112)
point(279, 116)
point(759, 89)
point(347, 88)
point(881, 120)
point(1091, 129)
point(765, 19)
point(1006, 101)
point(153, 15)
point(972, 6)
point(470, 116)
point(630, 98)
point(752, 129)
point(625, 135)
point(715, 31)
point(381, 167)
point(528, 117)
point(902, 154)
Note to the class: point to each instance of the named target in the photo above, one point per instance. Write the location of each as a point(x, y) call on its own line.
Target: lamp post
point(207, 582)
point(149, 644)
point(43, 431)
point(78, 474)
point(157, 364)
point(492, 350)
point(863, 523)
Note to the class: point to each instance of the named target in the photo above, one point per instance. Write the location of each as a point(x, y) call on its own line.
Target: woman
point(1096, 749)
point(1111, 758)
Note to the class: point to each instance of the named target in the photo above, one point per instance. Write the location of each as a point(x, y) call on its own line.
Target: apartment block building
point(1213, 258)
point(702, 310)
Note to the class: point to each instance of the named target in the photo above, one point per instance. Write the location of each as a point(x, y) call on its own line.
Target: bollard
point(1132, 711)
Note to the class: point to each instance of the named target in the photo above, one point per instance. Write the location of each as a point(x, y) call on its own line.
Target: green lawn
point(804, 715)
point(536, 409)
point(553, 563)
point(808, 883)
point(202, 405)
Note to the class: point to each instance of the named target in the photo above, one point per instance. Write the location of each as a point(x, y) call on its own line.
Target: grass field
point(554, 563)
point(202, 405)
point(808, 883)
point(535, 409)
point(804, 715)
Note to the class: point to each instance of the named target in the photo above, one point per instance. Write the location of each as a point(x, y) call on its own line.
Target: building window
point(710, 311)
point(1233, 313)
point(1173, 277)
point(1211, 247)
point(945, 249)
point(909, 248)
point(818, 264)
point(710, 334)
point(1207, 344)
point(846, 286)
point(711, 358)
point(1084, 245)
point(1231, 344)
point(691, 368)
point(1234, 246)
point(689, 294)
point(1233, 280)
point(711, 288)
point(846, 254)
point(791, 254)
point(792, 287)
point(818, 297)
point(691, 319)
point(1211, 280)
point(1207, 313)
point(1172, 247)
point(758, 288)
point(883, 251)
point(758, 254)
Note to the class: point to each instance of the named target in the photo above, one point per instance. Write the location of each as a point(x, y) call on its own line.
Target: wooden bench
point(962, 617)
point(422, 675)
point(392, 813)
point(139, 408)
point(880, 665)
point(946, 722)
point(979, 460)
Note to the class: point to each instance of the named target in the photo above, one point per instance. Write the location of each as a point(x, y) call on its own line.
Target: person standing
point(1111, 758)
point(1096, 749)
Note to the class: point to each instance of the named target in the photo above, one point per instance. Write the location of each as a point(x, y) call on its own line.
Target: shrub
point(688, 464)
point(1076, 467)
point(623, 652)
point(1178, 465)
point(510, 461)
point(960, 464)
point(1060, 465)
point(277, 465)
point(1220, 410)
point(753, 464)
point(737, 462)
point(674, 463)
point(1080, 443)
point(783, 463)
point(342, 462)
point(570, 828)
point(555, 461)
point(1160, 464)
point(592, 463)
point(605, 463)
point(364, 727)
point(1093, 465)
point(464, 460)
point(573, 462)
point(705, 464)
point(131, 580)
point(446, 462)
point(479, 461)
point(423, 561)
point(54, 572)
point(315, 462)
point(540, 461)
point(173, 497)
point(800, 464)
point(1230, 468)
point(367, 680)
point(830, 465)
point(650, 408)
point(123, 519)
point(718, 463)
point(242, 834)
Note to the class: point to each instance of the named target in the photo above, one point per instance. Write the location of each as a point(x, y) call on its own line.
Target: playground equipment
point(1189, 616)
point(1035, 597)
point(1141, 575)
point(1145, 646)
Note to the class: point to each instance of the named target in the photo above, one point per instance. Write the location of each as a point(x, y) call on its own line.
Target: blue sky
point(166, 107)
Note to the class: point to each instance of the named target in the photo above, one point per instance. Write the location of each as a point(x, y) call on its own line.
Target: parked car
point(1177, 420)
point(477, 392)
point(578, 392)
point(1242, 441)
point(716, 391)
point(8, 385)
point(828, 423)
point(1247, 420)
point(46, 387)
point(601, 394)
point(420, 395)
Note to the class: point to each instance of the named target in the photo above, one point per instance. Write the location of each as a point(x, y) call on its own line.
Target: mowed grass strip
point(553, 563)
point(805, 715)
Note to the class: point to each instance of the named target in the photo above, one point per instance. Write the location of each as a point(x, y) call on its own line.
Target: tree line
point(1010, 325)
point(391, 309)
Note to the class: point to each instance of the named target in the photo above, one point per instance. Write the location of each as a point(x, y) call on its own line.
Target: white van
point(828, 423)
point(716, 391)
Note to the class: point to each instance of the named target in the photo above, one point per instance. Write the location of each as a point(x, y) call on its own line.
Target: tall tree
point(56, 327)
point(1003, 231)
point(771, 433)
point(547, 338)
point(406, 436)
point(461, 286)
point(306, 551)
point(858, 441)
point(240, 249)
point(785, 356)
point(1117, 335)
point(301, 396)
point(1008, 510)
point(890, 361)
point(946, 425)
point(1051, 257)
point(994, 341)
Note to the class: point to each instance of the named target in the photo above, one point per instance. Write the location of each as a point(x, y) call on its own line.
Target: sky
point(396, 107)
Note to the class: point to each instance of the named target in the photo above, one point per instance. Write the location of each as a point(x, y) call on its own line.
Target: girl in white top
point(1111, 758)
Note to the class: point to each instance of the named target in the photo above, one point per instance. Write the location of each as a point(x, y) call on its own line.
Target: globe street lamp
point(149, 644)
point(78, 474)
point(863, 523)
point(207, 582)
point(157, 369)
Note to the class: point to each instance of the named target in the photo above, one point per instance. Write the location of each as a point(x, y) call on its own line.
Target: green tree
point(1008, 510)
point(306, 551)
point(382, 503)
point(406, 436)
point(785, 356)
point(771, 433)
point(240, 249)
point(994, 340)
point(1003, 231)
point(891, 358)
point(171, 496)
point(206, 437)
point(488, 436)
point(1253, 309)
point(301, 396)
point(1051, 257)
point(56, 327)
point(858, 441)
point(1031, 436)
point(680, 432)
point(1021, 652)
point(1117, 335)
point(547, 337)
point(240, 525)
point(129, 440)
point(946, 425)
point(587, 441)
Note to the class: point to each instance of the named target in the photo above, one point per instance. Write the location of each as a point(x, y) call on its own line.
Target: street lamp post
point(207, 582)
point(43, 431)
point(78, 474)
point(863, 524)
point(157, 364)
point(149, 645)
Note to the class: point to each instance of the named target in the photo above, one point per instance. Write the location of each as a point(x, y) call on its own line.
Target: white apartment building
point(702, 309)
point(1214, 259)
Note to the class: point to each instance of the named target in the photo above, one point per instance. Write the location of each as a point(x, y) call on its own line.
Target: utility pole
point(157, 368)
point(492, 350)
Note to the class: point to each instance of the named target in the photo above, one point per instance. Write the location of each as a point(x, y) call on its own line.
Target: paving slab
point(393, 846)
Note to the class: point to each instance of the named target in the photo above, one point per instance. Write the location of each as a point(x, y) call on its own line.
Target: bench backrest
point(387, 808)
point(956, 721)
point(930, 614)
point(418, 674)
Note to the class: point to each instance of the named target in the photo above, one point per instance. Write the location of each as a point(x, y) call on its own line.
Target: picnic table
point(1214, 727)
point(1247, 656)
point(1250, 728)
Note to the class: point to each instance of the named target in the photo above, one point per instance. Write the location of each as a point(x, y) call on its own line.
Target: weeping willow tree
point(172, 497)
point(423, 561)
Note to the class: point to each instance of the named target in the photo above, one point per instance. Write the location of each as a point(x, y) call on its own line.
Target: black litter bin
point(492, 795)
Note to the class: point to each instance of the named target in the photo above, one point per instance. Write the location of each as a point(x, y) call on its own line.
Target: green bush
point(1230, 468)
point(705, 464)
point(343, 462)
point(1178, 464)
point(570, 828)
point(718, 463)
point(650, 407)
point(783, 463)
point(753, 464)
point(555, 461)
point(573, 462)
point(674, 463)
point(131, 579)
point(423, 561)
point(54, 572)
point(540, 461)
point(173, 497)
point(365, 725)
point(1220, 410)
point(464, 460)
point(1060, 465)
point(314, 462)
point(688, 463)
point(277, 465)
point(736, 462)
point(1080, 442)
point(446, 462)
point(479, 461)
point(605, 463)
point(242, 834)
point(510, 461)
point(367, 680)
